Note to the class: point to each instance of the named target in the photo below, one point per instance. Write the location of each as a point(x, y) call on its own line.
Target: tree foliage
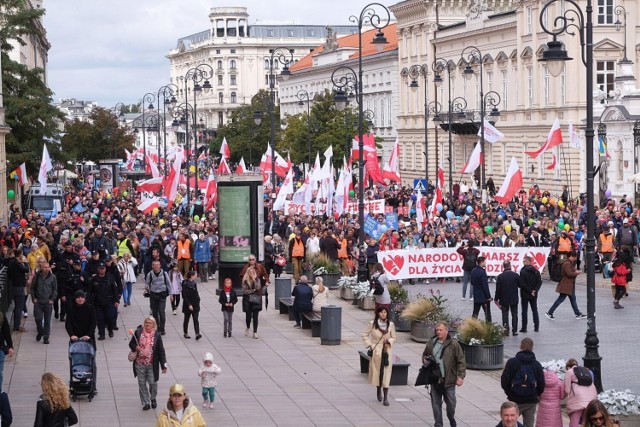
point(98, 138)
point(27, 100)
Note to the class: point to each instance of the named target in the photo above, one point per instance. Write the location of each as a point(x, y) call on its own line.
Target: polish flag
point(153, 185)
point(553, 140)
point(211, 194)
point(433, 210)
point(355, 149)
point(241, 168)
point(130, 160)
point(223, 167)
point(342, 189)
point(420, 206)
point(475, 160)
point(391, 170)
point(148, 205)
point(224, 149)
point(203, 156)
point(153, 167)
point(512, 183)
point(491, 134)
point(171, 182)
point(20, 173)
point(554, 163)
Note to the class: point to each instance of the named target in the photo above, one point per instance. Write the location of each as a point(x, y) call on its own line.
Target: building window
point(289, 33)
point(605, 12)
point(220, 83)
point(529, 17)
point(266, 80)
point(233, 79)
point(219, 65)
point(605, 75)
point(220, 118)
point(234, 98)
point(270, 33)
point(220, 98)
point(217, 51)
point(233, 51)
point(311, 33)
point(563, 86)
point(545, 85)
point(529, 86)
point(477, 94)
point(490, 78)
point(266, 64)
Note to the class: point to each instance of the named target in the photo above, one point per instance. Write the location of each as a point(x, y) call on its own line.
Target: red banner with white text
point(446, 262)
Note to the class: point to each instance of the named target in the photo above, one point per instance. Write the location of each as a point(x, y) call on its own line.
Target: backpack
point(375, 284)
point(470, 259)
point(524, 383)
point(583, 375)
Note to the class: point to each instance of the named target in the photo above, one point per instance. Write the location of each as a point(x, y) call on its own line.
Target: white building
point(239, 54)
point(75, 108)
point(380, 80)
point(509, 36)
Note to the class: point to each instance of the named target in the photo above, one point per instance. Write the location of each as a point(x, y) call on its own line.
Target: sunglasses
point(597, 419)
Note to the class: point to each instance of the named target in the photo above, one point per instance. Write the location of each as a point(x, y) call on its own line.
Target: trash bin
point(331, 327)
point(283, 289)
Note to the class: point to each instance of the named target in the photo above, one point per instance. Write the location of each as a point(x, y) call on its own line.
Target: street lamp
point(555, 55)
point(303, 96)
point(620, 10)
point(414, 72)
point(168, 93)
point(345, 80)
point(180, 114)
point(148, 98)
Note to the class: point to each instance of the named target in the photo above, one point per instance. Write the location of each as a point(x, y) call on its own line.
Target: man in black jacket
point(506, 296)
point(17, 279)
point(481, 293)
point(531, 283)
point(514, 385)
point(105, 297)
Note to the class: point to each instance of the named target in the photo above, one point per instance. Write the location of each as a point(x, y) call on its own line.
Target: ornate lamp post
point(303, 96)
point(345, 80)
point(555, 55)
point(148, 98)
point(620, 10)
point(168, 94)
point(180, 114)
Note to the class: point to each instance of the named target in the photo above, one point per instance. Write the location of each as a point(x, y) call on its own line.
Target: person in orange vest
point(297, 254)
point(605, 245)
point(564, 246)
point(343, 252)
point(184, 257)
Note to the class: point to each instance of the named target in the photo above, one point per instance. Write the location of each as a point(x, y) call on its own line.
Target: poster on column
point(446, 262)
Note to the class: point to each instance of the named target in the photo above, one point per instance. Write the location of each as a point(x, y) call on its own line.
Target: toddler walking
point(208, 379)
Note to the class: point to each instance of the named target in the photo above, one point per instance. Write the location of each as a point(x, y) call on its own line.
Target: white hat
point(625, 221)
point(208, 357)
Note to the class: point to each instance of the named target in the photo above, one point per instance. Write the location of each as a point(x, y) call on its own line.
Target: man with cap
point(105, 297)
point(99, 243)
point(76, 280)
point(92, 265)
point(606, 245)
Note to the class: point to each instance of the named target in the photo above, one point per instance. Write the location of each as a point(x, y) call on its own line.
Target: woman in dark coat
point(150, 359)
point(190, 305)
point(81, 319)
point(54, 408)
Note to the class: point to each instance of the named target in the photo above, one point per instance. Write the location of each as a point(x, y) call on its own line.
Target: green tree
point(98, 138)
point(27, 99)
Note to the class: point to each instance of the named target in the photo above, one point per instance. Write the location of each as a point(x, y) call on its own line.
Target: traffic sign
point(420, 185)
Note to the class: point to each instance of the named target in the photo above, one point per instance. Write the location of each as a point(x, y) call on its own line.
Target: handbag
point(255, 298)
point(370, 350)
point(281, 261)
point(430, 371)
point(133, 355)
point(385, 358)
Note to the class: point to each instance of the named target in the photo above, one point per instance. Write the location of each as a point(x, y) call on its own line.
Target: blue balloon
point(413, 197)
point(439, 207)
point(449, 214)
point(383, 228)
point(469, 209)
point(628, 210)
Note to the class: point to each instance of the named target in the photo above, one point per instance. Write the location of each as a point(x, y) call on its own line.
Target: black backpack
point(524, 383)
point(470, 259)
point(375, 284)
point(583, 375)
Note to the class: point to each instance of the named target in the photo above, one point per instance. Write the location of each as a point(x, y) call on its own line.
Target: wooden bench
point(399, 369)
point(312, 320)
point(286, 307)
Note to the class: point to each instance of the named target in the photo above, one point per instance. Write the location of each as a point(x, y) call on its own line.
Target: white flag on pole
point(45, 167)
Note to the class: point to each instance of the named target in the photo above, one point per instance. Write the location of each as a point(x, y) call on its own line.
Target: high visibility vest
point(342, 252)
point(123, 248)
point(606, 243)
point(184, 249)
point(564, 244)
point(298, 249)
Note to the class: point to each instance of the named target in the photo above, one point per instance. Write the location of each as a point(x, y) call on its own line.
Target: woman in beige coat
point(380, 336)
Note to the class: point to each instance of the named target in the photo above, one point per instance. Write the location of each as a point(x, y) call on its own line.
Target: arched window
point(220, 98)
point(219, 65)
point(232, 64)
point(233, 98)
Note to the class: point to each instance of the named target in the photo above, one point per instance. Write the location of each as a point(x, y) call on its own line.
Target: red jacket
point(620, 275)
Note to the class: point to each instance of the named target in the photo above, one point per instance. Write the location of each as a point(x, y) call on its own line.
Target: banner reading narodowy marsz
point(446, 262)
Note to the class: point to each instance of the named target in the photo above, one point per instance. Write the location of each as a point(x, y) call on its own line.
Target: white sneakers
point(205, 404)
point(246, 332)
point(255, 336)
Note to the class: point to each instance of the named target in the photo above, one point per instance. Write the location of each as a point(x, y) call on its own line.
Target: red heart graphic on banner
point(393, 264)
point(538, 259)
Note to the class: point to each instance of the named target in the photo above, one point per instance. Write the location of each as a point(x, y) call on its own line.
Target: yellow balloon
point(161, 222)
point(544, 200)
point(561, 203)
point(507, 228)
point(155, 211)
point(192, 169)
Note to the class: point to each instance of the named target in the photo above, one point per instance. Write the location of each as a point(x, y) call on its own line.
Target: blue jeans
point(466, 278)
point(438, 393)
point(2, 357)
point(209, 393)
point(572, 300)
point(126, 292)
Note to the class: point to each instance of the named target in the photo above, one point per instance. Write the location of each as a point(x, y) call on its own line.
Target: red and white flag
point(45, 167)
point(223, 167)
point(148, 205)
point(203, 156)
point(342, 189)
point(476, 159)
point(285, 189)
point(433, 210)
point(554, 163)
point(153, 167)
point(20, 174)
point(553, 140)
point(131, 158)
point(420, 206)
point(512, 183)
point(153, 185)
point(491, 134)
point(224, 149)
point(241, 168)
point(171, 182)
point(391, 170)
point(211, 194)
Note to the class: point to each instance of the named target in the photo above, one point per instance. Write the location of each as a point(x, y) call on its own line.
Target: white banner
point(370, 206)
point(446, 262)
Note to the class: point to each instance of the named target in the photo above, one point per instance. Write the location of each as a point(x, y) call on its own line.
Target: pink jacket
point(578, 396)
point(549, 411)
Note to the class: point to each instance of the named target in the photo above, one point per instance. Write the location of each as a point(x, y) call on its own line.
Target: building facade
point(239, 53)
point(510, 40)
point(75, 108)
point(313, 75)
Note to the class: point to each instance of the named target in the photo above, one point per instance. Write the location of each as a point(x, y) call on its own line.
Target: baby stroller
point(82, 369)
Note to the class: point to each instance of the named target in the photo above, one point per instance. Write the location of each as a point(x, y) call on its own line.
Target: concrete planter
point(628, 420)
point(402, 324)
point(346, 293)
point(288, 268)
point(483, 357)
point(330, 280)
point(308, 273)
point(422, 331)
point(367, 303)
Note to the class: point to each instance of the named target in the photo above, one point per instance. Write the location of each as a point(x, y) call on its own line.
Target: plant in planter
point(328, 269)
point(347, 285)
point(424, 313)
point(558, 366)
point(399, 299)
point(307, 265)
point(620, 402)
point(362, 294)
point(482, 343)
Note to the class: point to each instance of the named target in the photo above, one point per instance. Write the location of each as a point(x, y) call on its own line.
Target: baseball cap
point(625, 221)
point(177, 389)
point(80, 293)
point(102, 265)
